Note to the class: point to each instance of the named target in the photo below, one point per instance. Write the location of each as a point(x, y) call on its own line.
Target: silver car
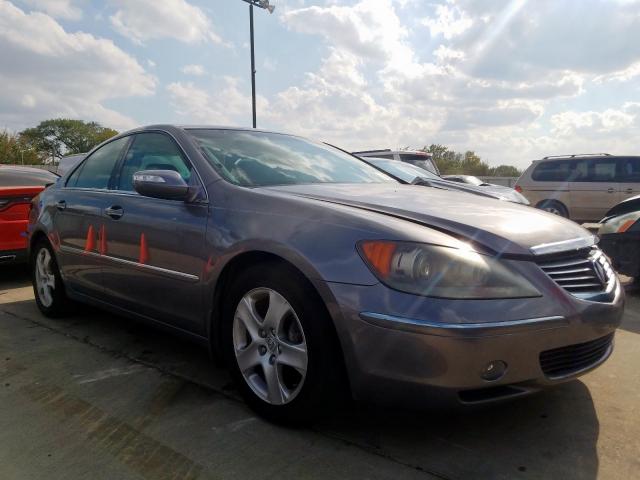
point(314, 275)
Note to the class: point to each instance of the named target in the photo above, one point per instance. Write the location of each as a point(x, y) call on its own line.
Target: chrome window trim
point(564, 245)
point(166, 271)
point(462, 329)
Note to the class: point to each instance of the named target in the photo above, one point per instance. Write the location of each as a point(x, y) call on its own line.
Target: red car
point(18, 186)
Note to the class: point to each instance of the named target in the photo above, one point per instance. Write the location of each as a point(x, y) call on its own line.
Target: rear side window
point(554, 171)
point(630, 170)
point(96, 170)
point(595, 170)
point(152, 151)
point(603, 171)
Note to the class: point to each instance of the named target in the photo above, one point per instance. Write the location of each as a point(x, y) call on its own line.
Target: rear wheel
point(47, 283)
point(555, 207)
point(280, 344)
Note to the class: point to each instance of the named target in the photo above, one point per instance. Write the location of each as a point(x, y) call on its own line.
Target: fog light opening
point(494, 370)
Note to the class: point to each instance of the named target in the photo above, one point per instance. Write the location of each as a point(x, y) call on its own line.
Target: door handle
point(114, 212)
point(61, 205)
point(629, 190)
point(610, 190)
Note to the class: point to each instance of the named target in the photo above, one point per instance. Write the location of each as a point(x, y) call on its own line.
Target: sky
point(513, 80)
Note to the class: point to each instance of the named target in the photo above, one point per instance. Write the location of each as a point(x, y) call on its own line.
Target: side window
point(554, 171)
point(602, 170)
point(96, 170)
point(581, 171)
point(152, 151)
point(630, 170)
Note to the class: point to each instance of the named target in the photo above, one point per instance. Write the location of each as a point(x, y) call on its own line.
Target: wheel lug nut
point(272, 359)
point(262, 349)
point(262, 333)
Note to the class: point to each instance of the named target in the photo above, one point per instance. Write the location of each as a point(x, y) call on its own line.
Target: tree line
point(450, 162)
point(50, 140)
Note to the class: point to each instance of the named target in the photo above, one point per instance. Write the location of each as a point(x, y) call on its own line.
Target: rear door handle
point(114, 212)
point(61, 205)
point(610, 190)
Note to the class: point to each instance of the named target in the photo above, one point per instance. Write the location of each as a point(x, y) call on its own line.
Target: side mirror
point(166, 184)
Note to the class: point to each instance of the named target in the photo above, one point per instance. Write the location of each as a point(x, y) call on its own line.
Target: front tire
point(47, 283)
point(555, 207)
point(280, 345)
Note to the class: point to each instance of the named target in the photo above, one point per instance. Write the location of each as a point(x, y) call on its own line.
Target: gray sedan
point(314, 275)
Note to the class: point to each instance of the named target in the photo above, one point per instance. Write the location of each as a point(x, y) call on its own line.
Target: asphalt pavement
point(102, 397)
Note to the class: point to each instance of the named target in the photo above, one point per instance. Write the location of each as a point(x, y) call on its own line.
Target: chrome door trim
point(173, 273)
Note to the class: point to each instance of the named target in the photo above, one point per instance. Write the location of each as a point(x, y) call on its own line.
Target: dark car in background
point(18, 186)
point(316, 276)
point(620, 236)
point(67, 162)
point(410, 174)
point(501, 190)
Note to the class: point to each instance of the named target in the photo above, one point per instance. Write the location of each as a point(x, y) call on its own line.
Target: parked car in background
point(18, 186)
point(503, 191)
point(317, 277)
point(410, 174)
point(67, 162)
point(580, 187)
point(620, 236)
point(414, 157)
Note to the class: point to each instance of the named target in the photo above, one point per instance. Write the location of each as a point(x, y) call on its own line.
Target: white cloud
point(227, 105)
point(450, 21)
point(197, 70)
point(142, 20)
point(57, 8)
point(56, 73)
point(370, 29)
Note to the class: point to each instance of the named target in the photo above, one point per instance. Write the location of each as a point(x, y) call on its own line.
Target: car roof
point(23, 169)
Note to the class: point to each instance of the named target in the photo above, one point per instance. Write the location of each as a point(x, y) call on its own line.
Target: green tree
point(14, 151)
point(62, 136)
point(505, 171)
point(450, 162)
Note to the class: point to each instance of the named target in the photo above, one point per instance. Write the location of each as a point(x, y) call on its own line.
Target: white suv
point(580, 187)
point(418, 158)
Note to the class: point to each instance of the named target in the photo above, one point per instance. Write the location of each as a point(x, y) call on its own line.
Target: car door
point(77, 220)
point(629, 177)
point(594, 188)
point(155, 247)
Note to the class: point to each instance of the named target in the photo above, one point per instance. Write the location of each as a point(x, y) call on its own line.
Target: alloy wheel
point(45, 279)
point(270, 346)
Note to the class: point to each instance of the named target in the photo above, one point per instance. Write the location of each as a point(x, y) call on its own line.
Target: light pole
point(264, 4)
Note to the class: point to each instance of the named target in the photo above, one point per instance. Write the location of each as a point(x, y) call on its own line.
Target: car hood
point(503, 227)
point(629, 205)
point(506, 192)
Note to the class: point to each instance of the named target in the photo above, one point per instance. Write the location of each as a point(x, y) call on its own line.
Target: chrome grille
point(582, 274)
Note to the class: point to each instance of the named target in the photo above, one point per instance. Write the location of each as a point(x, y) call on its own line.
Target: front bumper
point(406, 358)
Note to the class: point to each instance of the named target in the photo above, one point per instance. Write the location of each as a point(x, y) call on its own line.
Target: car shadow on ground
point(552, 434)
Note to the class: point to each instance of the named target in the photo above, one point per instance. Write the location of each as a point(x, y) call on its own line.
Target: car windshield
point(421, 161)
point(256, 159)
point(404, 171)
point(473, 180)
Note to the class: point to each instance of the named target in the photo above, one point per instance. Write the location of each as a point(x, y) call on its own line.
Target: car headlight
point(619, 224)
point(445, 272)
